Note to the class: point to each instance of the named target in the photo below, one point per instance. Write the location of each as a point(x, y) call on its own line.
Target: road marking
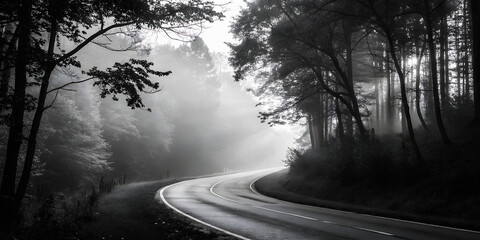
point(361, 228)
point(196, 219)
point(374, 231)
point(252, 188)
point(425, 224)
point(220, 196)
point(286, 213)
point(264, 208)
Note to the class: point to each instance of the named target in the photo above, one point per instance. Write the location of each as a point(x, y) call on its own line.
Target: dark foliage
point(364, 161)
point(126, 78)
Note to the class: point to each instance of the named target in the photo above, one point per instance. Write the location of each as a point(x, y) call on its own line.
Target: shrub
point(350, 162)
point(59, 216)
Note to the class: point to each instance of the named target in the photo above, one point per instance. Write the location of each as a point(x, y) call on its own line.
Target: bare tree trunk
point(377, 104)
point(403, 92)
point(388, 99)
point(433, 67)
point(442, 64)
point(325, 131)
point(320, 120)
point(15, 135)
point(419, 55)
point(338, 112)
point(32, 138)
point(310, 131)
point(475, 11)
point(7, 48)
point(352, 103)
point(349, 82)
point(466, 60)
point(404, 69)
point(457, 57)
point(447, 66)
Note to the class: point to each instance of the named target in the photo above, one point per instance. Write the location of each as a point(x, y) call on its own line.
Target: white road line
point(374, 231)
point(424, 224)
point(220, 196)
point(286, 213)
point(361, 228)
point(196, 219)
point(267, 209)
point(252, 188)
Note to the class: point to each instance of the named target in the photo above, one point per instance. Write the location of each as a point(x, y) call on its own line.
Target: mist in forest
point(201, 122)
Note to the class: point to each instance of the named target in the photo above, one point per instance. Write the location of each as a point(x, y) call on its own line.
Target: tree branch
point(70, 83)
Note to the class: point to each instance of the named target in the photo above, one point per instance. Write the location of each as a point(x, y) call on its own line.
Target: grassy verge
point(128, 212)
point(401, 205)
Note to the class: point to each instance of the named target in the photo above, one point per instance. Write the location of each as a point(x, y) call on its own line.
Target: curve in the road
point(230, 204)
point(162, 197)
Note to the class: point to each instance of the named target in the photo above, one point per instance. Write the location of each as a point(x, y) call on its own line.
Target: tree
point(296, 37)
point(433, 69)
point(39, 25)
point(75, 150)
point(475, 11)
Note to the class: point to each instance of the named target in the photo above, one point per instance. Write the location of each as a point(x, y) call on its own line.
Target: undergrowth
point(370, 174)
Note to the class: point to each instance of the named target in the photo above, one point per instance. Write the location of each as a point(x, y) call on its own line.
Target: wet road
point(229, 203)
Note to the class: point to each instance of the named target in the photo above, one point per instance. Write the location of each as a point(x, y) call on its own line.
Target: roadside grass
point(130, 211)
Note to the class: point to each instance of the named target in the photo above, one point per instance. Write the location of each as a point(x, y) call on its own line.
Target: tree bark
point(338, 112)
point(458, 52)
point(310, 131)
point(475, 11)
point(15, 135)
point(442, 65)
point(32, 138)
point(325, 131)
point(466, 60)
point(388, 99)
point(433, 67)
point(10, 39)
point(319, 121)
point(349, 80)
point(419, 55)
point(447, 66)
point(403, 92)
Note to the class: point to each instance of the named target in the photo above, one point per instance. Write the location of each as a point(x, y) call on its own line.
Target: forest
point(100, 93)
point(388, 91)
point(386, 94)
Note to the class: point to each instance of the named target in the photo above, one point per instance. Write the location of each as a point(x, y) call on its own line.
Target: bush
point(60, 216)
point(349, 163)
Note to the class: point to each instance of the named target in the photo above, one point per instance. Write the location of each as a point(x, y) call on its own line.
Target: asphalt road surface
point(229, 203)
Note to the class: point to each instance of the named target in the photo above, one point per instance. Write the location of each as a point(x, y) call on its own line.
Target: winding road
point(230, 204)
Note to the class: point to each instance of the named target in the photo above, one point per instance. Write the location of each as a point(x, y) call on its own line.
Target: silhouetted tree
point(39, 25)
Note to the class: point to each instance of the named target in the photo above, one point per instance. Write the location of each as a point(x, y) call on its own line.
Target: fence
point(108, 186)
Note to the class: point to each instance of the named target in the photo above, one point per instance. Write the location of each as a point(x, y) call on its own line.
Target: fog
point(201, 122)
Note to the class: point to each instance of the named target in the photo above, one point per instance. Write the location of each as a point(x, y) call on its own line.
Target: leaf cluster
point(128, 79)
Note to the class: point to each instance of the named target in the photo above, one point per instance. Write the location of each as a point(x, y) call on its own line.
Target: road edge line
point(162, 197)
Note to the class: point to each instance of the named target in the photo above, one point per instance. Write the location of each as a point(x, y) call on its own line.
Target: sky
point(216, 34)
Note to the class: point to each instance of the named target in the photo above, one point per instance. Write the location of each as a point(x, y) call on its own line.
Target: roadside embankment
point(296, 189)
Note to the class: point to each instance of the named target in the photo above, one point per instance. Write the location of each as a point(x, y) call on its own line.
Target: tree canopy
point(33, 47)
